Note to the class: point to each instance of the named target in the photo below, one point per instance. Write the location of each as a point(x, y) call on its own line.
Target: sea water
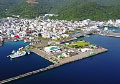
point(100, 69)
point(13, 67)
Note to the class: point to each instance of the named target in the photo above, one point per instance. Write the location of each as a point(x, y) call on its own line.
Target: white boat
point(106, 28)
point(17, 54)
point(25, 41)
point(13, 52)
point(15, 40)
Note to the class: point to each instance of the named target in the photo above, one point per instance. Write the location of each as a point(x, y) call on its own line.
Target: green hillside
point(5, 4)
point(66, 9)
point(90, 10)
point(107, 2)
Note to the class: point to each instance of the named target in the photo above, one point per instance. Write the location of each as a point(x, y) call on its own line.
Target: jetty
point(54, 65)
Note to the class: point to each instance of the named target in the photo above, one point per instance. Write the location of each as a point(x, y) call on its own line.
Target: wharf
point(114, 35)
point(62, 62)
point(43, 54)
point(70, 39)
point(83, 55)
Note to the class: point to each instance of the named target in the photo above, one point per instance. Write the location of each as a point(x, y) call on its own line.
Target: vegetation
point(31, 47)
point(90, 10)
point(79, 44)
point(66, 9)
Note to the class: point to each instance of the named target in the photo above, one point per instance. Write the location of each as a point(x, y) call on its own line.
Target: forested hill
point(106, 2)
point(32, 10)
point(66, 9)
point(89, 10)
point(8, 3)
point(5, 4)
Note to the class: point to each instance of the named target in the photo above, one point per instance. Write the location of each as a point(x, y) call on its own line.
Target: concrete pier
point(114, 35)
point(43, 54)
point(83, 55)
point(62, 62)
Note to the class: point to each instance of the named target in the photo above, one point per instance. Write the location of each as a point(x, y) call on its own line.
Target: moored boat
point(17, 54)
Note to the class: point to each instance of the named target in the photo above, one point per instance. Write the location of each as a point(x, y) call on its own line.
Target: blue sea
point(14, 67)
point(100, 69)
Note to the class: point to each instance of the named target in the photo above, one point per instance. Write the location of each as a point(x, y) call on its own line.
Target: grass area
point(78, 30)
point(79, 44)
point(31, 47)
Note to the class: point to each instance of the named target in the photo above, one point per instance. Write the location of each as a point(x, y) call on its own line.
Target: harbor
point(15, 66)
point(52, 40)
point(59, 56)
point(65, 61)
point(101, 62)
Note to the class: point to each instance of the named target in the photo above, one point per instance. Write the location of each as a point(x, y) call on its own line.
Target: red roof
point(16, 36)
point(32, 2)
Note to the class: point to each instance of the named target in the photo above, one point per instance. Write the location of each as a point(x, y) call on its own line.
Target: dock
point(62, 62)
point(117, 35)
point(84, 55)
point(44, 54)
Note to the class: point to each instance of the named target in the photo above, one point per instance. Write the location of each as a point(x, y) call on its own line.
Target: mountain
point(8, 3)
point(32, 10)
point(66, 9)
point(106, 2)
point(5, 4)
point(89, 10)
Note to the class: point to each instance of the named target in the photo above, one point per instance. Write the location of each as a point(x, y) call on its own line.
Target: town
point(13, 29)
point(54, 40)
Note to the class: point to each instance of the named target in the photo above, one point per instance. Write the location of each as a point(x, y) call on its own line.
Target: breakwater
point(29, 73)
point(62, 62)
